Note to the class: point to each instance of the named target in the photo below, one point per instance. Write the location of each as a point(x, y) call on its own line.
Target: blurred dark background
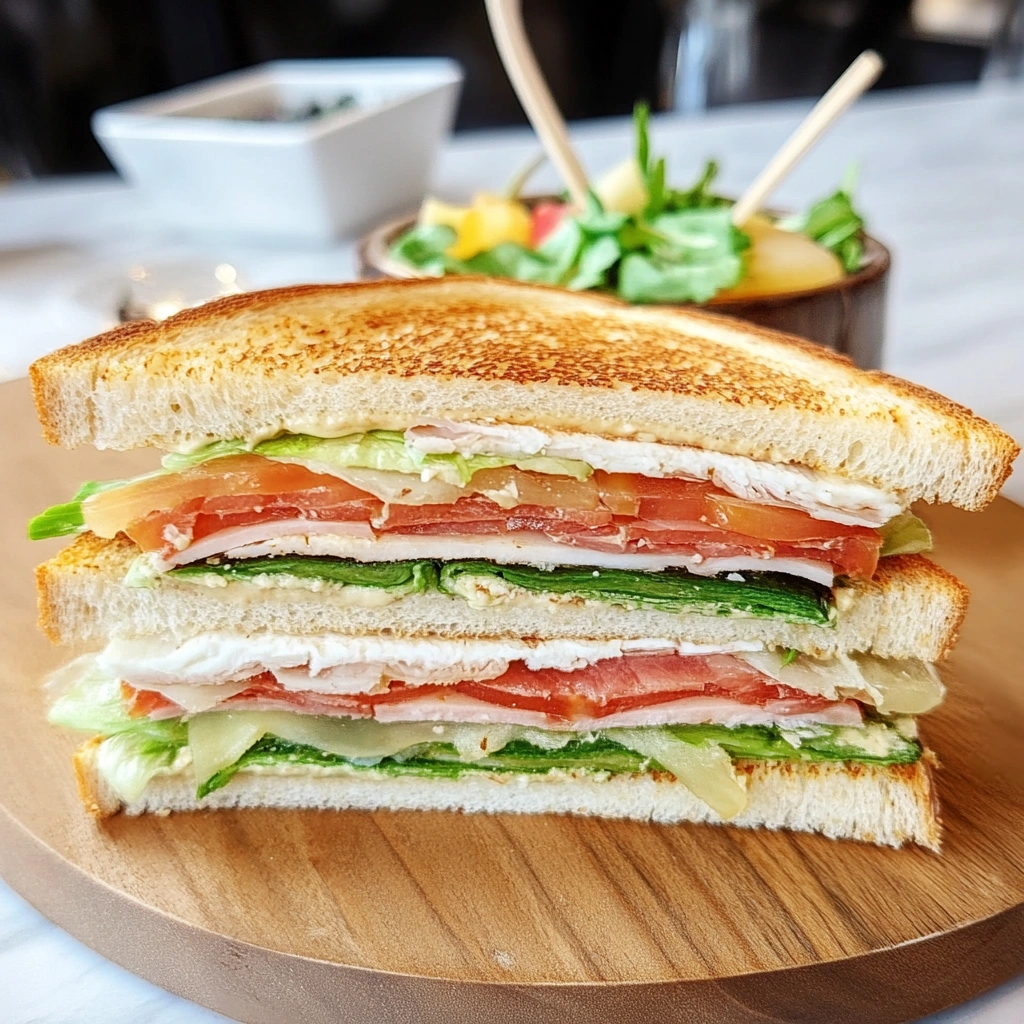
point(62, 59)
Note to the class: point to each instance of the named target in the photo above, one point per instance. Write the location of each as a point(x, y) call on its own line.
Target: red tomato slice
point(544, 219)
point(772, 522)
point(518, 487)
point(110, 512)
point(610, 511)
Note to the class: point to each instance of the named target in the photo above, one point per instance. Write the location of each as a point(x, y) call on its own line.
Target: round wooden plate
point(403, 917)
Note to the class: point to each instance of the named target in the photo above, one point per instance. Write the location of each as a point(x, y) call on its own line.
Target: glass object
point(155, 291)
point(708, 55)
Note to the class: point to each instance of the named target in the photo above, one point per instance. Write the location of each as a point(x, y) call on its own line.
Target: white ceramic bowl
point(207, 172)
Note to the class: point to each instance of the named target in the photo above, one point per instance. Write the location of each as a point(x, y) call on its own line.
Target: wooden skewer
point(506, 18)
point(856, 79)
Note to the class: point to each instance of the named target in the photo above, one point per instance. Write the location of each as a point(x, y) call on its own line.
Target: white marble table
point(942, 183)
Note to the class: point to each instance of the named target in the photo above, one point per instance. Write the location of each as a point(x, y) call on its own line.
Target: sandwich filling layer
point(363, 701)
point(379, 497)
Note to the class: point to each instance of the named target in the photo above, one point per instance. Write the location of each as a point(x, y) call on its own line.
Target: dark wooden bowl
point(848, 316)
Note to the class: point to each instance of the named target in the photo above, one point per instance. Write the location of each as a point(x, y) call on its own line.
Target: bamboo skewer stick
point(506, 18)
point(854, 81)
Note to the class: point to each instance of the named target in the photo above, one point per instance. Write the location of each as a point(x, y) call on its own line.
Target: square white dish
point(206, 171)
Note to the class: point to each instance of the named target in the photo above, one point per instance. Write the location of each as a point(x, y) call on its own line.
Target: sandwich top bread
point(330, 359)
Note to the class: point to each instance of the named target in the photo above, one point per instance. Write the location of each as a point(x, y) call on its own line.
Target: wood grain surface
point(409, 917)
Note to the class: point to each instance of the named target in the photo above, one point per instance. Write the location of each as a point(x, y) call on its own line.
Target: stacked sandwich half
point(484, 546)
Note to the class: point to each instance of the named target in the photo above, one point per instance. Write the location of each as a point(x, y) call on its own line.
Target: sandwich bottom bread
point(883, 804)
point(248, 694)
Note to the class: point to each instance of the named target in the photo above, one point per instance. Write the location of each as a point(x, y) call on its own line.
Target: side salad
point(640, 238)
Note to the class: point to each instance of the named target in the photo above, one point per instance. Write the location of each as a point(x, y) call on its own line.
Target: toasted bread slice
point(325, 359)
point(888, 806)
point(911, 609)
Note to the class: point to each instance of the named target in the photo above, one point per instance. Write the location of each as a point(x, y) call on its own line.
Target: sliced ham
point(295, 538)
point(685, 711)
point(635, 689)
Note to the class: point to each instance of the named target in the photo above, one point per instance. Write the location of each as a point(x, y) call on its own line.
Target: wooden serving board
point(407, 917)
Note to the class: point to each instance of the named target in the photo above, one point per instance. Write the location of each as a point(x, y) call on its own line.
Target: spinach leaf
point(758, 594)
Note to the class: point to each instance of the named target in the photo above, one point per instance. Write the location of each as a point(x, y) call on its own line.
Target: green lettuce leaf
point(128, 761)
point(424, 247)
point(696, 254)
point(63, 520)
point(93, 703)
point(905, 535)
point(758, 594)
point(380, 449)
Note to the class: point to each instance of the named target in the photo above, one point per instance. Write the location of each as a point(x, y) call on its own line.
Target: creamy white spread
point(332, 663)
point(822, 495)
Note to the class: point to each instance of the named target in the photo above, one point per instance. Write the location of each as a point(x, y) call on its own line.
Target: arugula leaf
point(834, 223)
point(597, 752)
point(656, 194)
point(411, 577)
point(641, 121)
point(757, 594)
point(698, 196)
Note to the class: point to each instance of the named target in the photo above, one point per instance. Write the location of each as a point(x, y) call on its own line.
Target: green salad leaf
point(695, 254)
point(759, 594)
point(374, 449)
point(834, 223)
point(905, 535)
point(379, 449)
point(128, 761)
point(413, 577)
point(680, 248)
point(93, 703)
point(66, 519)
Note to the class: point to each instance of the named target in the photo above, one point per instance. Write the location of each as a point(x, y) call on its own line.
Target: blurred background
point(62, 59)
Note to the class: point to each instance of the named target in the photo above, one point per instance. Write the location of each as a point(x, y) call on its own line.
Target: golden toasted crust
point(886, 805)
point(84, 763)
point(396, 351)
point(910, 573)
